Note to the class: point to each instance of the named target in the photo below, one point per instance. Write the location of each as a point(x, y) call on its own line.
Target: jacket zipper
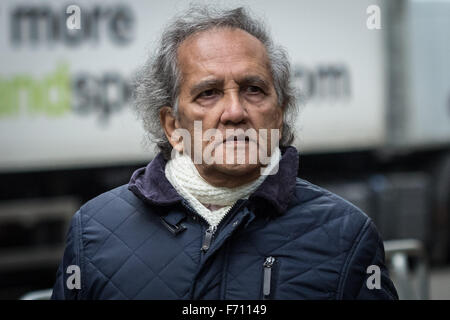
point(268, 264)
point(209, 233)
point(207, 239)
point(211, 230)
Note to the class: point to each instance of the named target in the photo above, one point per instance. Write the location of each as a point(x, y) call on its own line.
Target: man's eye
point(254, 90)
point(208, 93)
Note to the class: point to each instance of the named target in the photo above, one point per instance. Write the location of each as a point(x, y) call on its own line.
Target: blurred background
point(373, 127)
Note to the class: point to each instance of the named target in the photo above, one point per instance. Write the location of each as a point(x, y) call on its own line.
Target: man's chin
point(236, 169)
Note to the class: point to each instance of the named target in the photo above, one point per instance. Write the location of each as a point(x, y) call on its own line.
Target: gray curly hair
point(157, 83)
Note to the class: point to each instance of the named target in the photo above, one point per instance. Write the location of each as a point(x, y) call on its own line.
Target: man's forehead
point(221, 50)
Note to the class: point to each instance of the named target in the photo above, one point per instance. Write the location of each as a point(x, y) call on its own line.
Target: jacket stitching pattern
point(136, 256)
point(345, 268)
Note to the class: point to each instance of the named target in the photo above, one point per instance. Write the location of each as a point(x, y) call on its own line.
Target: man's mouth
point(236, 139)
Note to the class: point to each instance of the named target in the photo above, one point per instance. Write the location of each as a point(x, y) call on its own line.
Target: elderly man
point(220, 213)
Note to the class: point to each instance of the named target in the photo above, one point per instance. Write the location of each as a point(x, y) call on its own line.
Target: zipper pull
point(208, 238)
point(268, 264)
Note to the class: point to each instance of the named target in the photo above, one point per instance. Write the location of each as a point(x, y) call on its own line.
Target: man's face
point(227, 84)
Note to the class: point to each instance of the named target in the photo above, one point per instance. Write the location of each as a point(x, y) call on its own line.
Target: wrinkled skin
point(226, 84)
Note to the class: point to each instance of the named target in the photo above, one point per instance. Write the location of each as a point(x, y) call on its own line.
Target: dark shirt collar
point(151, 185)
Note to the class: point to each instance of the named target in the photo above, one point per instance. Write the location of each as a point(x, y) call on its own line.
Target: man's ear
point(169, 123)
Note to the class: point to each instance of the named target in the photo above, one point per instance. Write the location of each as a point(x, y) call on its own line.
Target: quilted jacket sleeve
point(365, 275)
point(69, 268)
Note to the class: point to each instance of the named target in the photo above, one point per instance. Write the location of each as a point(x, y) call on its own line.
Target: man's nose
point(234, 111)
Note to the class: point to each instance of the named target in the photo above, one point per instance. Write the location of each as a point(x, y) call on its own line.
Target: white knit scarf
point(184, 177)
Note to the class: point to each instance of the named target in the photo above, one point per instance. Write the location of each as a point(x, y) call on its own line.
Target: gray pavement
point(439, 281)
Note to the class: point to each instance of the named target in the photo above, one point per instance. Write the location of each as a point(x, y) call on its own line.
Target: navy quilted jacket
point(289, 240)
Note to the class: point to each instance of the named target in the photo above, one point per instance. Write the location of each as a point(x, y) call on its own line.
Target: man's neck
point(218, 178)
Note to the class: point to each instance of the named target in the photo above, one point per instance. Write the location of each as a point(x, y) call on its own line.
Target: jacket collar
point(151, 185)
